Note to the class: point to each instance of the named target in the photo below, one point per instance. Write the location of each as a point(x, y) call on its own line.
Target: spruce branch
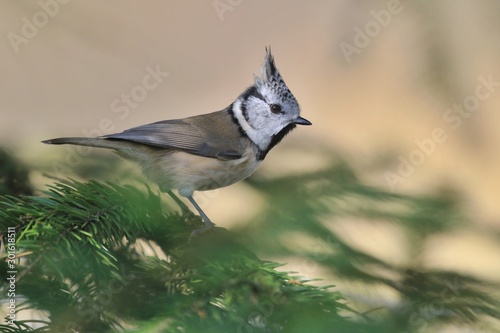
point(101, 257)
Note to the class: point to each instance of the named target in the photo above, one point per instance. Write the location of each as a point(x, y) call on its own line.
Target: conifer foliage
point(101, 257)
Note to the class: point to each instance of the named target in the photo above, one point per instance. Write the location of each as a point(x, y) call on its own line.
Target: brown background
point(370, 110)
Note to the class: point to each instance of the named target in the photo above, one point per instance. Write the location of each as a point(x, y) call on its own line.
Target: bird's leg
point(208, 224)
point(184, 209)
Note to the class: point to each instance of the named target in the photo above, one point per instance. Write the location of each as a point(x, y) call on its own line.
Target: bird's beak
point(302, 121)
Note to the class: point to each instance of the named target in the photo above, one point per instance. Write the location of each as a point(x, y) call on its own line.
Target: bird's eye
point(275, 108)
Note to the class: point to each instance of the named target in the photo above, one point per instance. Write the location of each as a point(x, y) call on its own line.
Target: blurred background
point(405, 92)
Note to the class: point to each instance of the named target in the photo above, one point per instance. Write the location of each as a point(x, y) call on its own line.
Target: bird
point(212, 150)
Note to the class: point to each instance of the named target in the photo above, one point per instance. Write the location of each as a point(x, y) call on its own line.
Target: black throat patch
point(275, 140)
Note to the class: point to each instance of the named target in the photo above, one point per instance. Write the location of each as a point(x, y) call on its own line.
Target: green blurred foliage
point(14, 177)
point(101, 257)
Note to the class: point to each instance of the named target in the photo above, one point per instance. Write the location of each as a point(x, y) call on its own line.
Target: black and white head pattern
point(267, 111)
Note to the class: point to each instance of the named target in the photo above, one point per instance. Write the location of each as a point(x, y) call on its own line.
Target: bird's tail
point(90, 142)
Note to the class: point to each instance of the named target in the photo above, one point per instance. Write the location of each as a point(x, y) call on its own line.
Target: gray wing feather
point(181, 135)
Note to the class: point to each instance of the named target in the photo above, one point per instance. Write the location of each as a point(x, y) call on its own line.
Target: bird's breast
point(188, 172)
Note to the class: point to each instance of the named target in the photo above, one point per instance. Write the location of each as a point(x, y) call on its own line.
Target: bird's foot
point(206, 228)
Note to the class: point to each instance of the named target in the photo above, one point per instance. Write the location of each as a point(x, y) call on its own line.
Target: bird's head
point(267, 111)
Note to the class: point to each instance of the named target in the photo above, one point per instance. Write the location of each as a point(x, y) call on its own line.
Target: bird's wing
point(184, 135)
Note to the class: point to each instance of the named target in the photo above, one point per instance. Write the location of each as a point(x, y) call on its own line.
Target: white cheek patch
point(258, 136)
